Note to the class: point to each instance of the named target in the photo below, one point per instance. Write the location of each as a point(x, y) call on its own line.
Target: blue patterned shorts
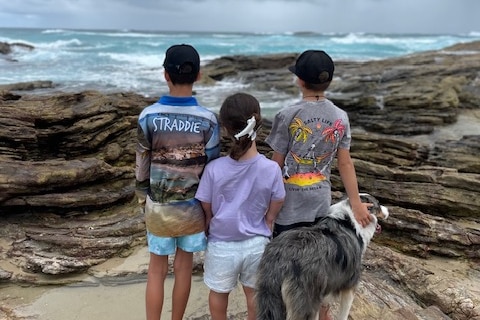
point(163, 246)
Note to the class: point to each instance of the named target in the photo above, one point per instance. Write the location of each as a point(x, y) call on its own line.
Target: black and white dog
point(305, 267)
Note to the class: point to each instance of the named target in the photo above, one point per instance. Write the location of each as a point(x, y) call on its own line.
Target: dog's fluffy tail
point(272, 303)
point(269, 303)
point(268, 289)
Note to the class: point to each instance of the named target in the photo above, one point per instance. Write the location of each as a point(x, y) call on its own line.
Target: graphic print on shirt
point(309, 168)
point(176, 168)
point(334, 132)
point(174, 144)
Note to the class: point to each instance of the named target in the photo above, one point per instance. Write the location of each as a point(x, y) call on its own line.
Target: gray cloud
point(383, 16)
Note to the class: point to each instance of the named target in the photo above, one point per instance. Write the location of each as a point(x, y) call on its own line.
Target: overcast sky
point(381, 16)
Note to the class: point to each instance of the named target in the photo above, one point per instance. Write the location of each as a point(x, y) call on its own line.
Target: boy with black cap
point(176, 138)
point(306, 137)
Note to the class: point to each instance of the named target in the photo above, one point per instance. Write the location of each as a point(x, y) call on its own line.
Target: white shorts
point(227, 262)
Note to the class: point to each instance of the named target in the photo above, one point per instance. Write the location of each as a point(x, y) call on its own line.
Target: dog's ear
point(383, 213)
point(368, 198)
point(376, 209)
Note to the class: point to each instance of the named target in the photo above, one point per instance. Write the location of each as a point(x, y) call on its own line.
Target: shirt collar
point(178, 101)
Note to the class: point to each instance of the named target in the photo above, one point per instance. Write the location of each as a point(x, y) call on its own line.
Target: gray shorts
point(227, 262)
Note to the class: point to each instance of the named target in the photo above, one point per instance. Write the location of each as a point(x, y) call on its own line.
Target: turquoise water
point(127, 60)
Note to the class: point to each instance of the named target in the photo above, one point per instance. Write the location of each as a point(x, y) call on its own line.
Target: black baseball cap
point(314, 66)
point(179, 56)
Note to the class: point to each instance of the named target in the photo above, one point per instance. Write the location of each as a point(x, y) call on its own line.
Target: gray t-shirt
point(308, 134)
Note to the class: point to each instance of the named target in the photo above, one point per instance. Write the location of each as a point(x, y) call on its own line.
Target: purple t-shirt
point(240, 193)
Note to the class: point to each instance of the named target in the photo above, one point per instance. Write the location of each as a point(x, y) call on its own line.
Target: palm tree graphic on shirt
point(301, 132)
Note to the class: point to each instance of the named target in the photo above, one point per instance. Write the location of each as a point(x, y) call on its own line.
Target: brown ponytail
point(234, 113)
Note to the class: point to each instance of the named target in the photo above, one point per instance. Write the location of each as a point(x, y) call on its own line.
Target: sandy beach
point(114, 290)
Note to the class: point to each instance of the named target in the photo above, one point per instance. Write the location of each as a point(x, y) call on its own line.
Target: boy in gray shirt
point(306, 137)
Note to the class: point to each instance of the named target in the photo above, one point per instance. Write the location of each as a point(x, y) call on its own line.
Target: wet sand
point(115, 290)
point(116, 302)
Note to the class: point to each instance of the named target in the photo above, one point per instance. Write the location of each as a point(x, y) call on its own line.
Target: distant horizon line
point(305, 32)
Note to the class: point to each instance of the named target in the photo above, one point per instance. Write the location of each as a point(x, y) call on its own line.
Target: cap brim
point(292, 69)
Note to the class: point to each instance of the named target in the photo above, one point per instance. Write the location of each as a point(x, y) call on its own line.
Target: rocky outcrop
point(25, 86)
point(67, 151)
point(7, 48)
point(67, 176)
point(409, 95)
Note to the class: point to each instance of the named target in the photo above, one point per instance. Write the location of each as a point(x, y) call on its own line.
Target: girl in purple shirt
point(241, 195)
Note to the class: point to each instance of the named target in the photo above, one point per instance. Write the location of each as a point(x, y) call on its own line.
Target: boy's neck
point(309, 95)
point(181, 90)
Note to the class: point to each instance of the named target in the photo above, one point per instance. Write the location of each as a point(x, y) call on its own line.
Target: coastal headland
point(68, 217)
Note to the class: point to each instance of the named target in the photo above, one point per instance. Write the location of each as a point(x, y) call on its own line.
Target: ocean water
point(128, 60)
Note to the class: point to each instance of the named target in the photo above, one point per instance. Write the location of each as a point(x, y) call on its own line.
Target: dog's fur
point(302, 268)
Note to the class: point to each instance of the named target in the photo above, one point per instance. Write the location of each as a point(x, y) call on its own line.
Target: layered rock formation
point(67, 177)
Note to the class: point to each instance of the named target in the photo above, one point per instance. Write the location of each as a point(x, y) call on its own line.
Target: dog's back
point(301, 266)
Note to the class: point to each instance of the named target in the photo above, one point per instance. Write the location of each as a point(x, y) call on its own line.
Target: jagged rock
point(408, 95)
point(395, 281)
point(25, 86)
point(402, 171)
point(6, 48)
point(75, 151)
point(424, 235)
point(458, 154)
point(55, 244)
point(5, 275)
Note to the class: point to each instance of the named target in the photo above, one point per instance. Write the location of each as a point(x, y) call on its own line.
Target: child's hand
point(362, 215)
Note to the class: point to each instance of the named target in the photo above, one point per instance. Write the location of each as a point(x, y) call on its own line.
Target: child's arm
point(278, 158)
point(349, 179)
point(272, 212)
point(207, 208)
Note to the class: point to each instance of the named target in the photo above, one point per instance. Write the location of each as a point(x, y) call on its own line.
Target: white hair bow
point(248, 130)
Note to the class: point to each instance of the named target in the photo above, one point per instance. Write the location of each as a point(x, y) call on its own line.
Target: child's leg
point(182, 269)
point(157, 272)
point(250, 295)
point(218, 303)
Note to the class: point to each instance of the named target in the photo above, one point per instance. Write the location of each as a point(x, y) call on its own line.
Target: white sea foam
point(135, 35)
point(59, 44)
point(131, 60)
point(53, 31)
point(227, 35)
point(149, 60)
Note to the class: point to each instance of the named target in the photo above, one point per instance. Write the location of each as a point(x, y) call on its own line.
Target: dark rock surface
point(67, 176)
point(7, 48)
